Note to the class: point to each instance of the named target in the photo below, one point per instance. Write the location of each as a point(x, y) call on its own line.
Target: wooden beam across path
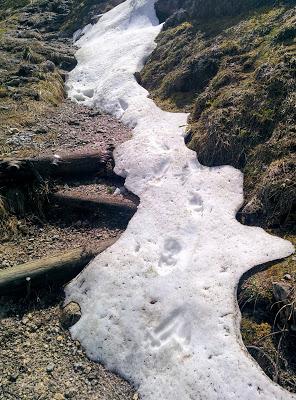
point(49, 270)
point(68, 165)
point(93, 203)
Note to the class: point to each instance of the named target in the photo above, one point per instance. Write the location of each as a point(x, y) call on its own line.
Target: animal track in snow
point(160, 170)
point(123, 104)
point(196, 202)
point(88, 92)
point(169, 257)
point(175, 327)
point(137, 247)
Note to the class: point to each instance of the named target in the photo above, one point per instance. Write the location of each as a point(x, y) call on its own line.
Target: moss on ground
point(6, 5)
point(23, 99)
point(259, 286)
point(271, 344)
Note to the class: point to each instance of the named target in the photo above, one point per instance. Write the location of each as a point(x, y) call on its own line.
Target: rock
point(70, 315)
point(281, 291)
point(41, 130)
point(13, 377)
point(50, 367)
point(33, 328)
point(58, 396)
point(48, 66)
point(5, 264)
point(74, 122)
point(94, 113)
point(177, 18)
point(137, 75)
point(78, 367)
point(25, 320)
point(64, 61)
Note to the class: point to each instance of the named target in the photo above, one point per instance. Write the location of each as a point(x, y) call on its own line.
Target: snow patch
point(159, 307)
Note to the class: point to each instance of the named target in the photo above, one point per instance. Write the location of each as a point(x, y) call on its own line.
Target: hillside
point(232, 66)
point(234, 70)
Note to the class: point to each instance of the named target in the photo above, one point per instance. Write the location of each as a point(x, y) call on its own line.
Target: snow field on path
point(159, 307)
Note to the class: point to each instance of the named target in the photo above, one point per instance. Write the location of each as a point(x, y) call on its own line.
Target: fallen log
point(60, 268)
point(94, 203)
point(24, 170)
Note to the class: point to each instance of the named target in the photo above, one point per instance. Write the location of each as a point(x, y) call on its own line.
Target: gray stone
point(281, 291)
point(48, 66)
point(78, 367)
point(70, 315)
point(50, 367)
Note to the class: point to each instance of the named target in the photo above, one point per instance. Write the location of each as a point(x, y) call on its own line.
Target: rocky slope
point(36, 52)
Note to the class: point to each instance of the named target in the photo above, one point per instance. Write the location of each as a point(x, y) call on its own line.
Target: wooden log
point(94, 203)
point(24, 170)
point(60, 268)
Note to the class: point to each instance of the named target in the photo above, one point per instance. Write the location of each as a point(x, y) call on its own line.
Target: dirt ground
point(69, 127)
point(38, 359)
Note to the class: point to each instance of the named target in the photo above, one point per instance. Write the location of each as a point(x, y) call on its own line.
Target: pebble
point(48, 66)
point(5, 263)
point(50, 367)
point(70, 315)
point(58, 396)
point(78, 367)
point(13, 377)
point(70, 393)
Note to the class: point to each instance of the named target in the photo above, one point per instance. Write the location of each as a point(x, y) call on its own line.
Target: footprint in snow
point(175, 327)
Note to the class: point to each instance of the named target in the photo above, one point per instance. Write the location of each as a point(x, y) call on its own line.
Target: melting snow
point(159, 307)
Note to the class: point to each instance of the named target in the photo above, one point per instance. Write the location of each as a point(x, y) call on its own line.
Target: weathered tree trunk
point(60, 268)
point(24, 170)
point(99, 202)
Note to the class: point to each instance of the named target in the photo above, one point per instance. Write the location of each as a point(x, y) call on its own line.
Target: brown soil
point(38, 359)
point(76, 128)
point(67, 128)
